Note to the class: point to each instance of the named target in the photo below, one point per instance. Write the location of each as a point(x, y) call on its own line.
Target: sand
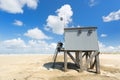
point(37, 67)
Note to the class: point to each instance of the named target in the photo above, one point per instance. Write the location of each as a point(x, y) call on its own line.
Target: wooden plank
point(97, 63)
point(74, 60)
point(77, 58)
point(80, 62)
point(87, 61)
point(92, 64)
point(84, 54)
point(54, 58)
point(92, 56)
point(65, 61)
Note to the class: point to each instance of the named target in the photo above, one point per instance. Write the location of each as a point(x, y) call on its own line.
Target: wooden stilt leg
point(65, 61)
point(77, 58)
point(97, 63)
point(80, 62)
point(87, 61)
point(55, 57)
point(91, 62)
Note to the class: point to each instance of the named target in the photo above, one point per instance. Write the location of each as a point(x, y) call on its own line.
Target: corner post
point(65, 60)
point(97, 63)
point(80, 61)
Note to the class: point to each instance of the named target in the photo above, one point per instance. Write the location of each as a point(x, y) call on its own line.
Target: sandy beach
point(37, 67)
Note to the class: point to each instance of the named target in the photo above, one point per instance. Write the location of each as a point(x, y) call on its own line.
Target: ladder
point(57, 50)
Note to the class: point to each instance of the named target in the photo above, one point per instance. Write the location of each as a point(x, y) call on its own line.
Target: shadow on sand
point(60, 66)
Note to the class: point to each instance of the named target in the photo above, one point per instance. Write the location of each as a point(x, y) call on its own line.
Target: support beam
point(97, 63)
point(77, 58)
point(92, 64)
point(84, 54)
point(92, 56)
point(54, 58)
point(74, 60)
point(80, 61)
point(87, 61)
point(65, 61)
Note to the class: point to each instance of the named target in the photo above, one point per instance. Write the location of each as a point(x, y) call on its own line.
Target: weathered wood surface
point(97, 63)
point(77, 57)
point(54, 58)
point(65, 61)
point(91, 58)
point(80, 62)
point(74, 60)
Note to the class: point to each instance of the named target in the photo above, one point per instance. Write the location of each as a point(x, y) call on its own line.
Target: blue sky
point(33, 26)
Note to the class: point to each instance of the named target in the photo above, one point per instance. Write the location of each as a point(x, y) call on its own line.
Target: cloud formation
point(18, 23)
point(36, 33)
point(92, 3)
point(110, 49)
point(113, 16)
point(56, 23)
point(103, 35)
point(14, 43)
point(40, 46)
point(16, 6)
point(33, 46)
point(18, 45)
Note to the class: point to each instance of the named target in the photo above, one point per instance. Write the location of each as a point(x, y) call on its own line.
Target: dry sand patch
point(37, 67)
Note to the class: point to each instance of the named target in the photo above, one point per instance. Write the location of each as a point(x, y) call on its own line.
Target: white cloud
point(40, 46)
point(56, 23)
point(18, 23)
point(32, 46)
point(36, 34)
point(32, 3)
point(14, 43)
point(110, 49)
point(16, 6)
point(103, 35)
point(112, 16)
point(92, 3)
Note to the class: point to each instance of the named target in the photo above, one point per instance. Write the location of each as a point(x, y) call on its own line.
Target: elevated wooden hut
point(83, 43)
